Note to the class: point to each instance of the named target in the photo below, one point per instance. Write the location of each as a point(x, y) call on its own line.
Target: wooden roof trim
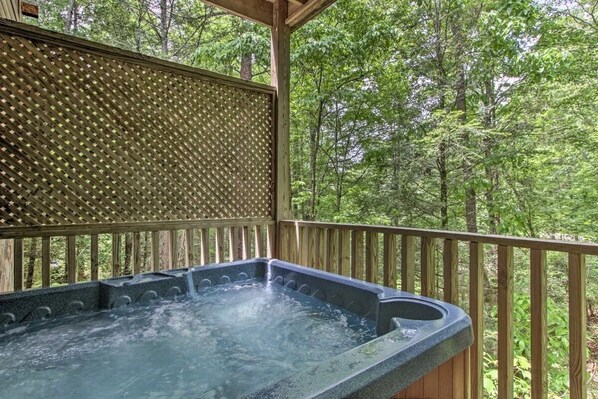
point(307, 12)
point(30, 10)
point(259, 11)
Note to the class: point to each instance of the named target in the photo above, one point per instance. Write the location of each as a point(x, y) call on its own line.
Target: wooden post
point(281, 79)
point(577, 327)
point(344, 264)
point(46, 273)
point(408, 263)
point(428, 265)
point(505, 322)
point(95, 251)
point(357, 254)
point(11, 9)
point(6, 265)
point(476, 312)
point(539, 324)
point(371, 257)
point(390, 261)
point(451, 271)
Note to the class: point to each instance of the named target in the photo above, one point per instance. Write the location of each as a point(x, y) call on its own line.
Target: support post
point(281, 79)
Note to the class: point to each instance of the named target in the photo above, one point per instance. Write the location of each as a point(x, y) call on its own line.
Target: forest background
point(470, 115)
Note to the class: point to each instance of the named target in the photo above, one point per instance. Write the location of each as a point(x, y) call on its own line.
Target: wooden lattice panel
point(86, 138)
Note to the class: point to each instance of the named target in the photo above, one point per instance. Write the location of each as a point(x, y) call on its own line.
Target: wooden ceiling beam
point(307, 12)
point(259, 11)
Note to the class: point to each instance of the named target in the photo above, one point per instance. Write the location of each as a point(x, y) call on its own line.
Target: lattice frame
point(94, 136)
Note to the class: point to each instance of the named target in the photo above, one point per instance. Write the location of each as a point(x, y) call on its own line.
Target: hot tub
point(251, 329)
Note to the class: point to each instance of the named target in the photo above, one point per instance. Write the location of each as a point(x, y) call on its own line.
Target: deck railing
point(389, 255)
point(169, 245)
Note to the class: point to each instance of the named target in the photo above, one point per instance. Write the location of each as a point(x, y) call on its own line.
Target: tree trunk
point(491, 171)
point(165, 16)
point(72, 17)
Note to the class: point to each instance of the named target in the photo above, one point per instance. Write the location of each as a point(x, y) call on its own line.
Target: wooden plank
point(281, 80)
point(357, 255)
point(451, 271)
point(390, 261)
point(71, 259)
point(408, 263)
point(284, 243)
point(219, 243)
point(577, 327)
point(258, 241)
point(332, 251)
point(136, 253)
point(116, 266)
point(344, 264)
point(245, 244)
point(95, 259)
point(46, 271)
point(204, 239)
point(539, 324)
point(520, 242)
point(173, 248)
point(155, 251)
point(322, 260)
point(88, 229)
point(189, 247)
point(415, 390)
point(428, 267)
point(505, 322)
point(293, 244)
point(18, 264)
point(476, 312)
point(313, 248)
point(459, 389)
point(7, 259)
point(30, 10)
point(445, 379)
point(371, 257)
point(308, 11)
point(233, 244)
point(304, 246)
point(270, 241)
point(259, 11)
point(430, 382)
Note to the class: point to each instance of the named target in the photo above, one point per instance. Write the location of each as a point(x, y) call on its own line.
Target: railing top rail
point(522, 242)
point(109, 228)
point(60, 39)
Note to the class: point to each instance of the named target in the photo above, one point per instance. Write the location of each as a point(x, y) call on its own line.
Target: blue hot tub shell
point(377, 369)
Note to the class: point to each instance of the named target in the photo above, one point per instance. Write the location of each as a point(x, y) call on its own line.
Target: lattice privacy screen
point(86, 138)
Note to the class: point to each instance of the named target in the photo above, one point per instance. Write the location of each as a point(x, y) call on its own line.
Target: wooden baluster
point(95, 258)
point(71, 259)
point(204, 244)
point(245, 244)
point(371, 257)
point(136, 253)
point(344, 264)
point(18, 264)
point(46, 272)
point(539, 324)
point(332, 256)
point(451, 271)
point(357, 254)
point(284, 243)
point(270, 240)
point(408, 264)
point(304, 246)
point(189, 255)
point(428, 266)
point(155, 251)
point(577, 327)
point(322, 261)
point(219, 243)
point(476, 312)
point(115, 255)
point(390, 260)
point(258, 241)
point(233, 244)
point(313, 247)
point(293, 244)
point(505, 322)
point(174, 249)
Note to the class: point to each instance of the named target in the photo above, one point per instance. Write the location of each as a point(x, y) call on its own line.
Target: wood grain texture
point(259, 11)
point(155, 251)
point(408, 263)
point(189, 247)
point(306, 12)
point(357, 255)
point(6, 265)
point(95, 259)
point(389, 261)
point(451, 271)
point(46, 272)
point(332, 255)
point(116, 264)
point(428, 267)
point(344, 264)
point(539, 324)
point(505, 322)
point(577, 327)
point(371, 257)
point(476, 312)
point(258, 242)
point(219, 245)
point(322, 259)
